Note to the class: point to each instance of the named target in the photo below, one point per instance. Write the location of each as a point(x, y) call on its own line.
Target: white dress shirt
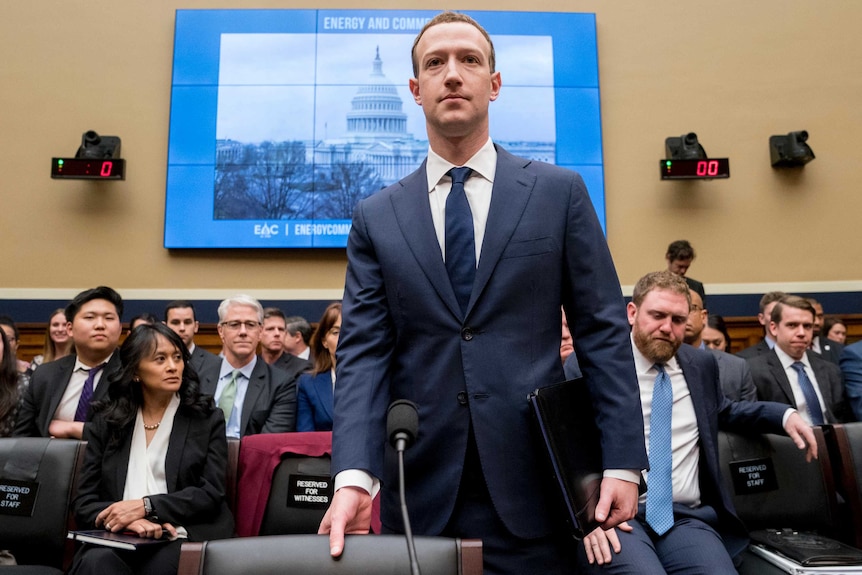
point(69, 402)
point(793, 377)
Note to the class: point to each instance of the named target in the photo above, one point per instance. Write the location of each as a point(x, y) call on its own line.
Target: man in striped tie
point(685, 521)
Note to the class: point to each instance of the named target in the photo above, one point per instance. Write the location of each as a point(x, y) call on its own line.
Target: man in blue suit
point(686, 522)
point(468, 345)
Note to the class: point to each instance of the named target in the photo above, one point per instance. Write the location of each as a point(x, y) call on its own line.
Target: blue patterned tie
point(659, 502)
point(87, 393)
point(460, 241)
point(810, 395)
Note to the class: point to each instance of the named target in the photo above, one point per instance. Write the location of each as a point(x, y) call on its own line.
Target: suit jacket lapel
point(781, 377)
point(512, 188)
point(176, 444)
point(823, 384)
point(413, 214)
point(57, 394)
point(254, 389)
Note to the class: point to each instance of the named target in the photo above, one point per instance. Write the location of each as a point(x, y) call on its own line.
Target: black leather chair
point(283, 516)
point(845, 449)
point(38, 541)
point(233, 445)
point(309, 555)
point(803, 497)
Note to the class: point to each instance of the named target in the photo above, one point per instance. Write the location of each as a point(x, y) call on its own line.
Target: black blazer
point(270, 400)
point(759, 348)
point(201, 359)
point(772, 384)
point(195, 468)
point(830, 350)
point(292, 365)
point(46, 389)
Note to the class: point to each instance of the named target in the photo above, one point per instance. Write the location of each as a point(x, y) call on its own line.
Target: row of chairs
point(772, 487)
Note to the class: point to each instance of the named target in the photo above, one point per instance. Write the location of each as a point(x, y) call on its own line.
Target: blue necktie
point(810, 395)
point(659, 502)
point(460, 241)
point(87, 393)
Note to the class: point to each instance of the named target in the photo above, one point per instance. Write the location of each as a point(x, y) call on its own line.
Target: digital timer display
point(88, 169)
point(705, 169)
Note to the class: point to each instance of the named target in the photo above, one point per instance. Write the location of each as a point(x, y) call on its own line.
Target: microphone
point(402, 427)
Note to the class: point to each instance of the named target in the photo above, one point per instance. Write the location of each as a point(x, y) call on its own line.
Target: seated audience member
point(58, 343)
point(686, 522)
point(679, 256)
point(715, 334)
point(315, 389)
point(12, 338)
point(828, 349)
point(567, 352)
point(156, 459)
point(272, 344)
point(254, 396)
point(180, 317)
point(57, 401)
point(12, 387)
point(733, 373)
point(851, 367)
point(145, 318)
point(834, 329)
point(765, 345)
point(297, 336)
point(794, 375)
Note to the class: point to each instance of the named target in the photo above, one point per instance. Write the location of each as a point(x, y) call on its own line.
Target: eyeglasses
point(235, 325)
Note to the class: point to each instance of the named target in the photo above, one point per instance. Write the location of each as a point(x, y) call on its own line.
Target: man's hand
point(801, 434)
point(618, 502)
point(599, 543)
point(349, 512)
point(118, 516)
point(67, 429)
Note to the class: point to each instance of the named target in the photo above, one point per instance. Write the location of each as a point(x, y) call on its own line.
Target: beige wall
point(735, 72)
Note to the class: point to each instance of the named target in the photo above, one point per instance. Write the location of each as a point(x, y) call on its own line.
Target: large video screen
point(282, 120)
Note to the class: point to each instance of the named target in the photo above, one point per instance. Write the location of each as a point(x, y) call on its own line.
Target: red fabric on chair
point(259, 455)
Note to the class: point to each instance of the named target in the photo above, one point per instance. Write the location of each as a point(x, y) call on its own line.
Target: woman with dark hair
point(155, 461)
point(12, 386)
point(58, 341)
point(715, 334)
point(314, 391)
point(834, 329)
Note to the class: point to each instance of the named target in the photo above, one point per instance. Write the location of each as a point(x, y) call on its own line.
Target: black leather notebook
point(566, 432)
point(808, 549)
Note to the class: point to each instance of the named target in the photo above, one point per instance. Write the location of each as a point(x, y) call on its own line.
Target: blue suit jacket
point(403, 335)
point(714, 411)
point(314, 402)
point(851, 367)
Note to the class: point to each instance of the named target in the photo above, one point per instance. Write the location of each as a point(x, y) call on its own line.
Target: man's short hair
point(180, 304)
point(6, 320)
point(240, 299)
point(447, 18)
point(663, 280)
point(680, 250)
point(146, 317)
point(101, 292)
point(296, 324)
point(273, 312)
point(770, 297)
point(791, 301)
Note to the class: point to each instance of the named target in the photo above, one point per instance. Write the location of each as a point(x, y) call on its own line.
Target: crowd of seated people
point(158, 386)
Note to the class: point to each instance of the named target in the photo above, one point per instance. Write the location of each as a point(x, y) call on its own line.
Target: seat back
point(299, 495)
point(845, 449)
point(309, 555)
point(46, 467)
point(774, 487)
point(233, 445)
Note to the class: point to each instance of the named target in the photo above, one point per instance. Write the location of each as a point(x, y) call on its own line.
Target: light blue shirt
point(233, 425)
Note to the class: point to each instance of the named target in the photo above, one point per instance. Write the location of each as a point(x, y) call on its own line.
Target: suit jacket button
point(467, 334)
point(462, 397)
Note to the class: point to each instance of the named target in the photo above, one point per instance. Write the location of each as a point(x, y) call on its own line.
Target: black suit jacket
point(195, 470)
point(772, 384)
point(46, 389)
point(292, 365)
point(695, 285)
point(830, 350)
point(715, 412)
point(201, 359)
point(270, 400)
point(759, 348)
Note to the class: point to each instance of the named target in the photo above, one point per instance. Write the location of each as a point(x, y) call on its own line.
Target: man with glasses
point(255, 397)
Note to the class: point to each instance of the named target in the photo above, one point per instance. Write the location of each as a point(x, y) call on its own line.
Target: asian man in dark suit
point(57, 400)
point(180, 317)
point(792, 374)
point(468, 343)
point(686, 522)
point(255, 397)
